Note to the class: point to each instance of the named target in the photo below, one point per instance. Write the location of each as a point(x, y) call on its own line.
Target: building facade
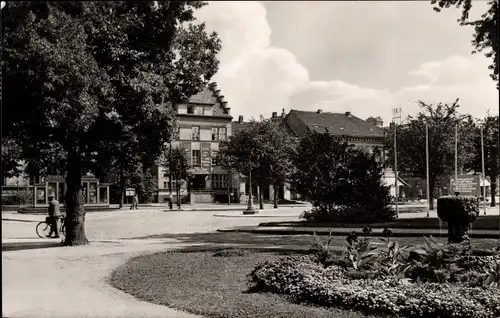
point(204, 122)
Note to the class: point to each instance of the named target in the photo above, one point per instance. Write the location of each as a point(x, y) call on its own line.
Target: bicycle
point(44, 228)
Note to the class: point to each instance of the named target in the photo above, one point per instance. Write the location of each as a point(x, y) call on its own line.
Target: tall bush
point(343, 183)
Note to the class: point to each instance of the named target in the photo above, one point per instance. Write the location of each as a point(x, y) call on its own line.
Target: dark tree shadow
point(19, 246)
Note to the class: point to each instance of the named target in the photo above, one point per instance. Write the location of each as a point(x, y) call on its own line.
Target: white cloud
point(258, 78)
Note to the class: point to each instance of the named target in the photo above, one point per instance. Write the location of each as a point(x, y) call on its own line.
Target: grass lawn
point(194, 280)
point(216, 238)
point(211, 286)
point(483, 222)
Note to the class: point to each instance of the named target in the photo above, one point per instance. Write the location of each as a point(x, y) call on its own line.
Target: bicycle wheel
point(42, 229)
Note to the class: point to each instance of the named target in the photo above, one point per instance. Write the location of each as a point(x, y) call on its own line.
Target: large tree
point(411, 144)
point(485, 36)
point(344, 183)
point(80, 75)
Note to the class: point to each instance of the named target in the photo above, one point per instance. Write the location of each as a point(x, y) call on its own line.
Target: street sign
point(468, 185)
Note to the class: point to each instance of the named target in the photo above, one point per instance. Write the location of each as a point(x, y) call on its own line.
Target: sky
point(363, 57)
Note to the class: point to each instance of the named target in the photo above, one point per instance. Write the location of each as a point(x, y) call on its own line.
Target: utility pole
point(427, 167)
point(396, 113)
point(482, 171)
point(170, 169)
point(456, 159)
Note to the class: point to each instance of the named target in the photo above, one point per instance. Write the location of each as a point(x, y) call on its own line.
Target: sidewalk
point(72, 282)
point(37, 281)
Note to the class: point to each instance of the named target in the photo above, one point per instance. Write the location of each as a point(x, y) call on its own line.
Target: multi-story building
point(203, 122)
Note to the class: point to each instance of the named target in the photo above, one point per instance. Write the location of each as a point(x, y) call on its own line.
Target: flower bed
point(435, 282)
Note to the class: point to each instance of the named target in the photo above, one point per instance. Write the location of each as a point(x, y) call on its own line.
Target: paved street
point(37, 282)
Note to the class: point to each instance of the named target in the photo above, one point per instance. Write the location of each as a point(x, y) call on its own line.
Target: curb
point(343, 232)
point(257, 215)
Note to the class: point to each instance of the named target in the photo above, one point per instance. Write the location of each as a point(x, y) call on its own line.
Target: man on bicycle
point(54, 216)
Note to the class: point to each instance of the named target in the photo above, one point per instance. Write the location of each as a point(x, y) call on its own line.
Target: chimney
point(348, 114)
point(240, 119)
point(275, 114)
point(319, 111)
point(283, 112)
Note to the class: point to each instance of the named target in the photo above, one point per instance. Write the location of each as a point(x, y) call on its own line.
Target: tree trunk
point(75, 211)
point(275, 196)
point(259, 196)
point(122, 186)
point(431, 195)
point(493, 190)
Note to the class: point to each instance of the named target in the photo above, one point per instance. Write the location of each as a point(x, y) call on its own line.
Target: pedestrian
point(170, 201)
point(54, 216)
point(135, 202)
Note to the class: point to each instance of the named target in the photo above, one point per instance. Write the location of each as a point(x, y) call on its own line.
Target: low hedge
point(306, 281)
point(457, 209)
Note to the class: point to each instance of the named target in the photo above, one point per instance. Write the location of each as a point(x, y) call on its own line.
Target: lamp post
point(396, 113)
point(482, 171)
point(250, 207)
point(456, 160)
point(427, 167)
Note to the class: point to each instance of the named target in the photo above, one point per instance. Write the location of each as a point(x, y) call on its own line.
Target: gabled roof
point(210, 95)
point(337, 124)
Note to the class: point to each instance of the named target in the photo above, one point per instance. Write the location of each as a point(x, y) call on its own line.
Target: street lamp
point(427, 167)
point(250, 207)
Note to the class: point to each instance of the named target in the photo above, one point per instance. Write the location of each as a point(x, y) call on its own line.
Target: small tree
point(343, 183)
point(175, 162)
point(263, 147)
point(276, 148)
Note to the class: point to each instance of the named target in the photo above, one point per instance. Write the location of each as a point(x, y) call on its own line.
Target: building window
point(196, 158)
point(222, 133)
point(219, 181)
point(214, 158)
point(195, 110)
point(219, 133)
point(164, 184)
point(195, 132)
point(215, 133)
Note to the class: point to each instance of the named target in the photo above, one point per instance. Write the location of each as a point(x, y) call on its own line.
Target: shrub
point(231, 252)
point(18, 198)
point(458, 209)
point(349, 214)
point(306, 281)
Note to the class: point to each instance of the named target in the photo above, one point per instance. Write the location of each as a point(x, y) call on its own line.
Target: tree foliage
point(485, 29)
point(490, 140)
point(265, 148)
point(377, 121)
point(343, 183)
point(175, 162)
point(411, 144)
point(83, 76)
